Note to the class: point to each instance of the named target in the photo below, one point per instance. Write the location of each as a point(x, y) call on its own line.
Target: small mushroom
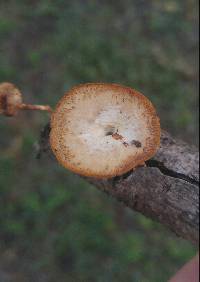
point(11, 101)
point(103, 130)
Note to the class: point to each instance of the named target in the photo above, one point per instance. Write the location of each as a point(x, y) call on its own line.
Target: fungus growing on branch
point(104, 130)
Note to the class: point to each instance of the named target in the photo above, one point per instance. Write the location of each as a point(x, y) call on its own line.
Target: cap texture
point(104, 130)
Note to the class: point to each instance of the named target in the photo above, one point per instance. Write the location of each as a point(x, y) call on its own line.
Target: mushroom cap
point(103, 130)
point(10, 99)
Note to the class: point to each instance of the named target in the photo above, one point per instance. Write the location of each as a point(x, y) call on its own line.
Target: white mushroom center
point(111, 127)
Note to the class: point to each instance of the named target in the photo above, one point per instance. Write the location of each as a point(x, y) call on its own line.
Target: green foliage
point(56, 224)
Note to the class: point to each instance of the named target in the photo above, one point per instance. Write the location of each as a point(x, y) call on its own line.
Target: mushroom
point(11, 101)
point(104, 130)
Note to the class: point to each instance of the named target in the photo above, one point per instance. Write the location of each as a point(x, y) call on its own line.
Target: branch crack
point(169, 172)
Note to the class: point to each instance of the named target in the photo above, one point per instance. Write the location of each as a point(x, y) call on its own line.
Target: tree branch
point(166, 189)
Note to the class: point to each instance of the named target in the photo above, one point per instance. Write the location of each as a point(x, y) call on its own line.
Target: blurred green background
point(53, 225)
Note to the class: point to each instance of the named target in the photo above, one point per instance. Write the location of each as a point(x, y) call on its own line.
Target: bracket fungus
point(11, 101)
point(104, 130)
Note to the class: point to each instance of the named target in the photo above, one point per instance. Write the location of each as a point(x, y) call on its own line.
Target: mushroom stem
point(35, 107)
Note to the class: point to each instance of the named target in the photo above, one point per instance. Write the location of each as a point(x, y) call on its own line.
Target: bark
point(166, 189)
